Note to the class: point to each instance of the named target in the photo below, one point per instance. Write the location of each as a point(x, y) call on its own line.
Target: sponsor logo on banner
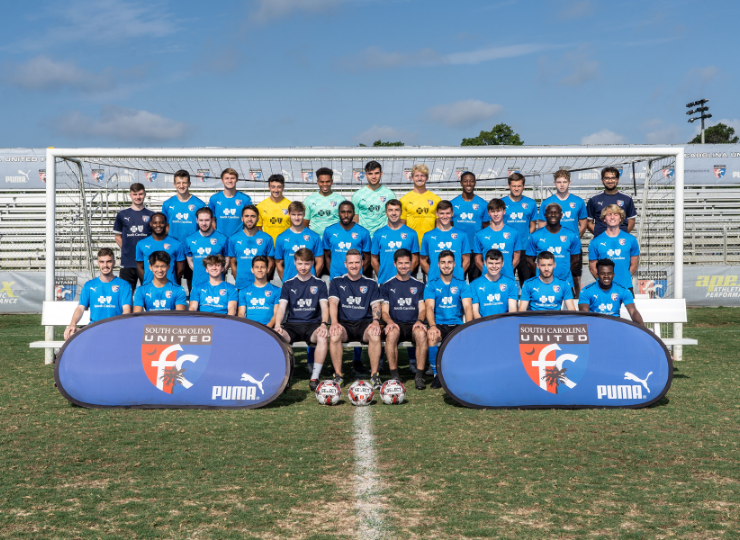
point(719, 286)
point(407, 173)
point(174, 357)
point(203, 174)
point(98, 175)
point(669, 172)
point(42, 175)
point(307, 175)
point(255, 174)
point(459, 171)
point(554, 356)
point(509, 172)
point(150, 176)
point(65, 288)
point(720, 170)
point(653, 283)
point(358, 175)
point(20, 178)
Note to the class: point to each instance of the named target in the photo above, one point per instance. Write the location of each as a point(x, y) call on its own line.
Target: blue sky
point(341, 72)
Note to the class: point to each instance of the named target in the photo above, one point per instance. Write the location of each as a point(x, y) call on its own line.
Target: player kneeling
point(545, 292)
point(258, 301)
point(160, 294)
point(493, 293)
point(215, 295)
point(606, 297)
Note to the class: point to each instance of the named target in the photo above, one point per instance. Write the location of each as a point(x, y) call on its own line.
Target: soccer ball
point(360, 393)
point(328, 392)
point(392, 392)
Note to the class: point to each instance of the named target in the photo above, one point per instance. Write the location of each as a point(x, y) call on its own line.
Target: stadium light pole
point(701, 108)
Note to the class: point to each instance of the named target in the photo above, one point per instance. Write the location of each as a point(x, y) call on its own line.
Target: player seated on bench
point(404, 311)
point(159, 294)
point(606, 297)
point(545, 292)
point(105, 295)
point(214, 295)
point(493, 293)
point(259, 301)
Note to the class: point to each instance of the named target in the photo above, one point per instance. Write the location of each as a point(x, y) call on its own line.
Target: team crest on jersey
point(622, 241)
point(354, 236)
point(213, 241)
point(167, 246)
point(572, 205)
point(306, 237)
point(413, 290)
point(615, 296)
point(383, 199)
point(333, 204)
point(554, 356)
point(620, 203)
point(238, 202)
point(363, 289)
point(453, 290)
point(556, 288)
point(525, 205)
point(144, 218)
point(454, 236)
point(431, 202)
point(171, 365)
point(168, 294)
point(191, 207)
point(115, 288)
point(502, 287)
point(285, 211)
point(507, 235)
point(222, 292)
point(259, 241)
point(268, 293)
point(404, 236)
point(314, 290)
point(476, 206)
point(563, 238)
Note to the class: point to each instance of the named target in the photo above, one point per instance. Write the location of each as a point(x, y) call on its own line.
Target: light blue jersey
point(493, 297)
point(228, 211)
point(606, 302)
point(507, 241)
point(260, 302)
point(338, 242)
point(199, 247)
point(105, 299)
point(519, 214)
point(470, 215)
point(546, 296)
point(149, 245)
point(289, 242)
point(573, 209)
point(448, 305)
point(153, 298)
point(561, 244)
point(181, 216)
point(386, 242)
point(437, 241)
point(619, 249)
point(245, 248)
point(214, 298)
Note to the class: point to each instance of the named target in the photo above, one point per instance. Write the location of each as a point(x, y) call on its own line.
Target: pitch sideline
point(366, 477)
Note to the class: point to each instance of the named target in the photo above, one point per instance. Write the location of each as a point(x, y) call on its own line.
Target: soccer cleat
point(376, 382)
point(430, 371)
point(339, 379)
point(313, 384)
point(435, 383)
point(419, 381)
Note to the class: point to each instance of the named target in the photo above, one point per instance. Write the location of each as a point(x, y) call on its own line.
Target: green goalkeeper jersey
point(322, 211)
point(370, 206)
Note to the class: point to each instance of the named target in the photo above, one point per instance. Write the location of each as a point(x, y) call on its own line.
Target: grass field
point(291, 470)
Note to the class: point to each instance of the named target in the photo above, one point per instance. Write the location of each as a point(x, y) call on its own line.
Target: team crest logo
point(307, 175)
point(333, 204)
point(354, 236)
point(145, 218)
point(615, 296)
point(306, 237)
point(383, 199)
point(563, 238)
point(97, 175)
point(115, 288)
point(556, 288)
point(507, 236)
point(285, 211)
point(150, 176)
point(259, 241)
point(720, 170)
point(502, 287)
point(168, 294)
point(170, 365)
point(404, 236)
point(525, 205)
point(358, 175)
point(476, 206)
point(554, 357)
point(191, 207)
point(255, 174)
point(413, 290)
point(167, 246)
point(622, 241)
point(454, 236)
point(669, 172)
point(238, 202)
point(572, 205)
point(453, 290)
point(653, 283)
point(213, 241)
point(268, 293)
point(431, 202)
point(314, 290)
point(620, 203)
point(42, 175)
point(222, 292)
point(363, 289)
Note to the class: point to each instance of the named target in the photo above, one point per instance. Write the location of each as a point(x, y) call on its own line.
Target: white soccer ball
point(393, 392)
point(328, 392)
point(360, 393)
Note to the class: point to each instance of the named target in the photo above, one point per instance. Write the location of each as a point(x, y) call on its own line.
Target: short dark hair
point(324, 171)
point(494, 254)
point(516, 177)
point(158, 214)
point(231, 171)
point(403, 252)
point(444, 205)
point(160, 256)
point(260, 258)
point(446, 253)
point(612, 170)
point(205, 210)
point(106, 252)
point(304, 254)
point(276, 178)
point(182, 173)
point(296, 206)
point(562, 173)
point(604, 262)
point(353, 251)
point(466, 173)
point(372, 165)
point(136, 186)
point(251, 207)
point(347, 203)
point(214, 259)
point(545, 255)
point(393, 202)
point(496, 204)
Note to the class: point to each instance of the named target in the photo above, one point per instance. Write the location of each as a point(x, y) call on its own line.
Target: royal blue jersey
point(338, 242)
point(448, 305)
point(133, 226)
point(105, 299)
point(181, 216)
point(153, 298)
point(598, 202)
point(199, 247)
point(245, 248)
point(562, 245)
point(403, 298)
point(519, 214)
point(259, 301)
point(573, 209)
point(149, 245)
point(214, 298)
point(493, 297)
point(437, 241)
point(546, 296)
point(386, 242)
point(228, 211)
point(607, 302)
point(619, 249)
point(289, 242)
point(507, 241)
point(356, 298)
point(304, 299)
point(470, 215)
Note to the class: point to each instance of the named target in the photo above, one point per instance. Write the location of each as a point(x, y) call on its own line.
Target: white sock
point(316, 370)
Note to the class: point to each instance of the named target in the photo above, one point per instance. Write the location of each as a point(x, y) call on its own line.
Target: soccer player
point(247, 244)
point(605, 296)
point(322, 207)
point(443, 238)
point(404, 311)
point(389, 239)
point(562, 243)
point(574, 216)
point(371, 199)
point(273, 211)
point(259, 300)
point(617, 245)
point(203, 243)
point(227, 205)
point(447, 299)
point(546, 292)
point(342, 237)
point(214, 295)
point(521, 214)
point(498, 236)
point(470, 216)
point(105, 295)
point(159, 241)
point(159, 294)
point(420, 205)
point(355, 308)
point(132, 225)
point(611, 195)
point(305, 300)
point(493, 292)
point(296, 237)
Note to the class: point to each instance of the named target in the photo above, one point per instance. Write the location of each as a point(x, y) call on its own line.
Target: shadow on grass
point(293, 395)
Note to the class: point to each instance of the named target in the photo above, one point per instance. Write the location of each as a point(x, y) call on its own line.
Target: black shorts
point(523, 270)
point(445, 330)
point(356, 329)
point(407, 332)
point(300, 331)
point(130, 276)
point(187, 273)
point(472, 273)
point(579, 270)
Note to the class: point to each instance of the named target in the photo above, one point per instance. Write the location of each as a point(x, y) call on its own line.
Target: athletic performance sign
point(173, 360)
point(554, 360)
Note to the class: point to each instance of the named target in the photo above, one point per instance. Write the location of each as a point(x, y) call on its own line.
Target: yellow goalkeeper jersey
point(274, 218)
point(420, 211)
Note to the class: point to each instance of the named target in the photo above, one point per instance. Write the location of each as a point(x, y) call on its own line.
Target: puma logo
point(630, 377)
point(247, 377)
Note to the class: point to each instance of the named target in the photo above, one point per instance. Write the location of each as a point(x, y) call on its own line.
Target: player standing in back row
point(610, 195)
point(521, 214)
point(370, 200)
point(273, 211)
point(227, 205)
point(471, 215)
point(420, 205)
point(322, 207)
point(132, 226)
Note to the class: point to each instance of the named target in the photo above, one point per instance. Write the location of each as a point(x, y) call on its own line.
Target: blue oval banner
point(173, 360)
point(554, 360)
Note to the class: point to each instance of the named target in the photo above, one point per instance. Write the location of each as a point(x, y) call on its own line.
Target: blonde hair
point(612, 209)
point(420, 167)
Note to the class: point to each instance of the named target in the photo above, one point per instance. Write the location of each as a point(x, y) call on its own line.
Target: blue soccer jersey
point(620, 249)
point(519, 214)
point(133, 226)
point(386, 242)
point(228, 211)
point(562, 245)
point(573, 208)
point(507, 241)
point(546, 296)
point(245, 248)
point(470, 215)
point(403, 298)
point(606, 302)
point(339, 241)
point(304, 299)
point(493, 297)
point(437, 241)
point(448, 305)
point(153, 298)
point(105, 299)
point(199, 247)
point(356, 298)
point(289, 242)
point(260, 302)
point(181, 216)
point(149, 245)
point(598, 202)
point(214, 298)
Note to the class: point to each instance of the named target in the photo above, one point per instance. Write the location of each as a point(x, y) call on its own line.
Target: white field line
point(366, 478)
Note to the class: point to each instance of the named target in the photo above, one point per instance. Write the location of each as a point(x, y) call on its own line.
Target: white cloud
point(703, 75)
point(385, 133)
point(463, 113)
point(269, 10)
point(575, 10)
point(604, 136)
point(42, 73)
point(667, 135)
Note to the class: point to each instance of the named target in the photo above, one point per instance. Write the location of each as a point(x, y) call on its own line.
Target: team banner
point(554, 360)
point(173, 360)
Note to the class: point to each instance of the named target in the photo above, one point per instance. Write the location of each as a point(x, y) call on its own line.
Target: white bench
point(57, 314)
point(348, 345)
point(663, 310)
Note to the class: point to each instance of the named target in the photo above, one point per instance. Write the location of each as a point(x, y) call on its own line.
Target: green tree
point(385, 143)
point(719, 134)
point(501, 134)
